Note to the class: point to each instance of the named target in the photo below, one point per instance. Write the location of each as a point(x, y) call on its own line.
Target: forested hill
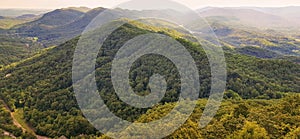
point(270, 42)
point(59, 25)
point(239, 119)
point(42, 86)
point(17, 49)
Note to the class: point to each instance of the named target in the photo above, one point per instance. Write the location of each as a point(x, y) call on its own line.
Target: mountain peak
point(80, 9)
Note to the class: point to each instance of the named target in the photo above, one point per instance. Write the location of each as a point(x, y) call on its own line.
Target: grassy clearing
point(9, 23)
point(18, 116)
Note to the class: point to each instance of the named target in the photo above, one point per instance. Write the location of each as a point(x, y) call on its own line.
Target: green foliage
point(295, 134)
point(6, 122)
point(255, 42)
point(232, 95)
point(258, 52)
point(253, 78)
point(251, 130)
point(58, 26)
point(14, 49)
point(263, 119)
point(42, 86)
point(241, 110)
point(8, 23)
point(28, 135)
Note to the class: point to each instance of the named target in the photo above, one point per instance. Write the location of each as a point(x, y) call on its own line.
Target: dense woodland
point(42, 88)
point(8, 128)
point(6, 122)
point(240, 119)
point(14, 49)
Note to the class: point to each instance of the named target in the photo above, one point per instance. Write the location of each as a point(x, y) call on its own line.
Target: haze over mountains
point(47, 96)
point(60, 25)
point(242, 29)
point(260, 32)
point(255, 16)
point(19, 12)
point(261, 48)
point(264, 15)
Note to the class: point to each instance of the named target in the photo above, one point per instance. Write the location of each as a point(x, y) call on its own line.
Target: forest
point(260, 98)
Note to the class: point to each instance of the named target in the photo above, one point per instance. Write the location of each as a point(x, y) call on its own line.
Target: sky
point(194, 4)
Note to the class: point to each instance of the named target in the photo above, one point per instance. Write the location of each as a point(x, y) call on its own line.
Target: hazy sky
point(53, 4)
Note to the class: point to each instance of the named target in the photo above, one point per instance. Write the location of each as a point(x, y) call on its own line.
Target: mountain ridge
point(264, 17)
point(41, 85)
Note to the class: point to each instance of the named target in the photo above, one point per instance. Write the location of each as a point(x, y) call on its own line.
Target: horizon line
point(203, 7)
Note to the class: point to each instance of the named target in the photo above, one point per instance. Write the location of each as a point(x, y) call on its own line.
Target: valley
point(261, 99)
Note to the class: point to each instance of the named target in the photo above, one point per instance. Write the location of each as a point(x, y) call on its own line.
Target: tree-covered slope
point(42, 85)
point(6, 123)
point(238, 37)
point(58, 26)
point(258, 52)
point(7, 23)
point(8, 127)
point(14, 49)
point(52, 19)
point(237, 119)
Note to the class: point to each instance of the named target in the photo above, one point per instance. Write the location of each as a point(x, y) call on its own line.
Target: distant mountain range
point(59, 25)
point(26, 16)
point(37, 90)
point(235, 27)
point(255, 16)
point(19, 12)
